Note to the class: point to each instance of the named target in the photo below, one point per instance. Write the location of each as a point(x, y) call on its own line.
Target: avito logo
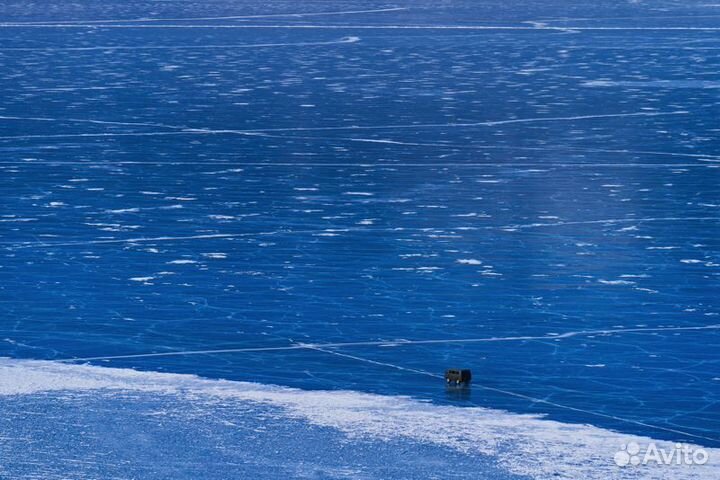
point(632, 454)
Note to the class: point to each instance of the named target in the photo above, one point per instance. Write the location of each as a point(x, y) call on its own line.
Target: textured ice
point(274, 430)
point(347, 200)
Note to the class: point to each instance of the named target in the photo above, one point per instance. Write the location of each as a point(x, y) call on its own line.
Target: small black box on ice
point(457, 376)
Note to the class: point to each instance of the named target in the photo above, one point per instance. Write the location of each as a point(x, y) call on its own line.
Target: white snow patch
point(469, 261)
point(215, 255)
point(522, 444)
point(141, 279)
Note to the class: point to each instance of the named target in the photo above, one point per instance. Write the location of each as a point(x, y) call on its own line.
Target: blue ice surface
point(154, 437)
point(353, 184)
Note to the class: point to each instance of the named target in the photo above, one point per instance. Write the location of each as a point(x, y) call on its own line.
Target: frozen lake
point(351, 197)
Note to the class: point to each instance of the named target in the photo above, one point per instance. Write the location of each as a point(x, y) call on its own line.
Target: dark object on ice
point(458, 376)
